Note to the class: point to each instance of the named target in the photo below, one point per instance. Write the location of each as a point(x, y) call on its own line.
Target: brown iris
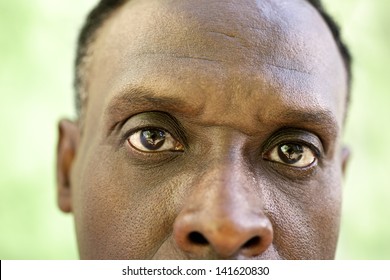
point(290, 153)
point(152, 139)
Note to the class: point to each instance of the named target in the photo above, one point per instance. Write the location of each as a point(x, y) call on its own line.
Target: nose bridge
point(228, 182)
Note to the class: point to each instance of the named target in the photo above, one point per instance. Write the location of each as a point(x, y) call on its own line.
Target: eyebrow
point(133, 100)
point(320, 122)
point(323, 118)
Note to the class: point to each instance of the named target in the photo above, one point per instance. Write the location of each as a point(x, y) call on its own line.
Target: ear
point(345, 155)
point(66, 151)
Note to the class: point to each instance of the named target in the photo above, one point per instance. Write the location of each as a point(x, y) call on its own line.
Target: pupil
point(152, 139)
point(290, 153)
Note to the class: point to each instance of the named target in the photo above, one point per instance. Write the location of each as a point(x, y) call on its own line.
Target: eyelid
point(154, 120)
point(294, 136)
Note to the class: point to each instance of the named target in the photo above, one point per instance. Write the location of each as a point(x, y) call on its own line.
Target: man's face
point(212, 130)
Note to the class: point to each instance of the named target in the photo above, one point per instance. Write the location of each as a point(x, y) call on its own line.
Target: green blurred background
point(37, 43)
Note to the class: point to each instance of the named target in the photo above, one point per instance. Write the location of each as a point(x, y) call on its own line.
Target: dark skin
point(212, 131)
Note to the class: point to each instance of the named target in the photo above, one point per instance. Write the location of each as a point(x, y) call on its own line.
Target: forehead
point(219, 55)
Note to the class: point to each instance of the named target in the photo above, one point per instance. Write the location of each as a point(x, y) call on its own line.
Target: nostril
point(197, 238)
point(254, 241)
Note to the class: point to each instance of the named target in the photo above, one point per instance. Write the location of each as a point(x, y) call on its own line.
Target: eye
point(296, 155)
point(154, 140)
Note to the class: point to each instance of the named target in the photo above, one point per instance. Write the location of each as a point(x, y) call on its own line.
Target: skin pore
point(212, 131)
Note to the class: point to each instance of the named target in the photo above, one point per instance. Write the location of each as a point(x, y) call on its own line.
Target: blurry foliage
point(37, 41)
point(365, 222)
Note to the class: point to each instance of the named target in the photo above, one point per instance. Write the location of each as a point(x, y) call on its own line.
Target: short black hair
point(104, 8)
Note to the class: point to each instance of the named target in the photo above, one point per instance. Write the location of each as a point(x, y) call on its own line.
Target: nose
point(223, 218)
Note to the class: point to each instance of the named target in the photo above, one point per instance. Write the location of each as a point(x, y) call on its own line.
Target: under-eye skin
point(154, 140)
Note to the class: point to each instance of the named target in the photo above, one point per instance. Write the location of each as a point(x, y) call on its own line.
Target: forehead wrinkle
point(173, 19)
point(175, 55)
point(179, 28)
point(178, 31)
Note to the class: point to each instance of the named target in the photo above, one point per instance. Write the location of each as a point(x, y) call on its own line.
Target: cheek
point(121, 211)
point(306, 216)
